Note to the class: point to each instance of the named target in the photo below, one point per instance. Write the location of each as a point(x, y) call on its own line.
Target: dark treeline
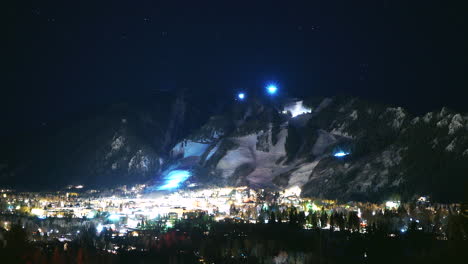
point(200, 239)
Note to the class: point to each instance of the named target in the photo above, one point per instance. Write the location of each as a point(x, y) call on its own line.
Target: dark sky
point(64, 57)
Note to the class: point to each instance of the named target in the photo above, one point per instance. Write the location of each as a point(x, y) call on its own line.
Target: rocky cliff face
point(123, 144)
point(342, 148)
point(384, 150)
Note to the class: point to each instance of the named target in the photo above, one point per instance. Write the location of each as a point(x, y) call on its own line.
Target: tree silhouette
point(323, 218)
point(353, 221)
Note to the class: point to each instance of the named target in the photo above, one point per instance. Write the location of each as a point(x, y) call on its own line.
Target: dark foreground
point(192, 241)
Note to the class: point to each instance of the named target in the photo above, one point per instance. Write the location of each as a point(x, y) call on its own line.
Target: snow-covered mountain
point(121, 144)
point(380, 151)
point(342, 147)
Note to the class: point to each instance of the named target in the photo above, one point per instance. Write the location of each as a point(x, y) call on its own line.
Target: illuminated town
point(128, 211)
point(225, 132)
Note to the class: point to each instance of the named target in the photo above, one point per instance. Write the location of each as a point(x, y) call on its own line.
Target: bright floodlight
point(340, 154)
point(174, 179)
point(272, 89)
point(241, 96)
point(296, 108)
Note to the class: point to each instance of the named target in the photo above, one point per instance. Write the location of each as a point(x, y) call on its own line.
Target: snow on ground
point(427, 117)
point(451, 146)
point(301, 176)
point(139, 161)
point(444, 111)
point(399, 116)
point(443, 122)
point(340, 131)
point(455, 124)
point(117, 143)
point(189, 148)
point(236, 157)
point(324, 140)
point(264, 163)
point(212, 151)
point(354, 115)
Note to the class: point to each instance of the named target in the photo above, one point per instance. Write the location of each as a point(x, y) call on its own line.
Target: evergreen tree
point(272, 219)
point(353, 221)
point(323, 218)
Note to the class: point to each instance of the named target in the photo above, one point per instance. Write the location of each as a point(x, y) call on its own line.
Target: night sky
point(66, 57)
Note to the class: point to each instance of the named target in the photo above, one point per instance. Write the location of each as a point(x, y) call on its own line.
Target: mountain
point(385, 151)
point(339, 148)
point(121, 144)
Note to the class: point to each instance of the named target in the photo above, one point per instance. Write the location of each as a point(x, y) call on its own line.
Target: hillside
point(391, 152)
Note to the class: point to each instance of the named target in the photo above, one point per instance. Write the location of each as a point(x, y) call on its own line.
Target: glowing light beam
point(241, 96)
point(174, 178)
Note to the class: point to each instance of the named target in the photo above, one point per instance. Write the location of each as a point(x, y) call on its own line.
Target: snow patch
point(456, 124)
point(263, 162)
point(324, 140)
point(117, 143)
point(236, 157)
point(301, 176)
point(399, 116)
point(139, 162)
point(354, 115)
point(213, 151)
point(444, 111)
point(189, 148)
point(427, 117)
point(443, 122)
point(451, 146)
point(340, 131)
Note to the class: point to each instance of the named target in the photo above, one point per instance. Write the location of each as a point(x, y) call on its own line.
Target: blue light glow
point(340, 154)
point(272, 89)
point(174, 178)
point(241, 96)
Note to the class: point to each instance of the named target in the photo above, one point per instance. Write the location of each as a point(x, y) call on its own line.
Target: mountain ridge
point(257, 143)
